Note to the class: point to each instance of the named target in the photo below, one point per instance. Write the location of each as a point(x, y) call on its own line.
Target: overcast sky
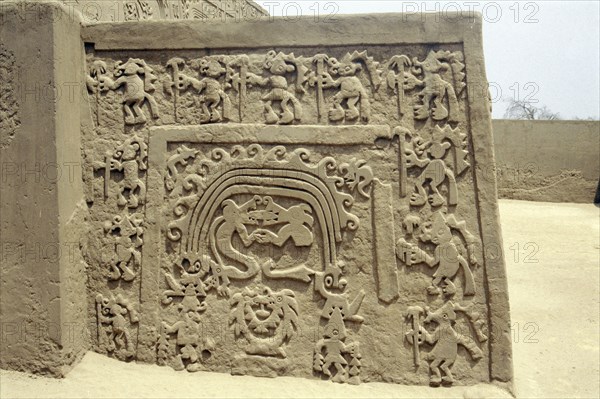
point(539, 50)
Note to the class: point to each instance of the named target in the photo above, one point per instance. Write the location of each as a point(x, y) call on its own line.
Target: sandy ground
point(552, 254)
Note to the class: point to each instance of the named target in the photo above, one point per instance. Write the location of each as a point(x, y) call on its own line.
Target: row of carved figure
point(440, 158)
point(268, 320)
point(435, 83)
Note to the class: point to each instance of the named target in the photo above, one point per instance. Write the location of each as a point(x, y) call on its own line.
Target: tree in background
point(517, 109)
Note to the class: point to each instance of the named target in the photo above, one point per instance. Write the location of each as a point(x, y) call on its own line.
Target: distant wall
point(554, 161)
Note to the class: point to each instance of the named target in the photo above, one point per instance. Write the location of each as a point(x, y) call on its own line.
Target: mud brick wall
point(268, 203)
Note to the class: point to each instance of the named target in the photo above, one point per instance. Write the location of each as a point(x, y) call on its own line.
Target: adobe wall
point(554, 161)
point(258, 201)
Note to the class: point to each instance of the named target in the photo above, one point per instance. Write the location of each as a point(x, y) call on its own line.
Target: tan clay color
point(267, 203)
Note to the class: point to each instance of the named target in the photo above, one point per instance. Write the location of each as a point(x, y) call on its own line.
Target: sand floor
point(552, 254)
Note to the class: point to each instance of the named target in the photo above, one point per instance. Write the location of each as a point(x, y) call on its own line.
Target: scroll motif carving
point(115, 317)
point(278, 164)
point(251, 199)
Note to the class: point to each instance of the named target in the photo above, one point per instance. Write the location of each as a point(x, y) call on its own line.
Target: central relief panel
point(266, 242)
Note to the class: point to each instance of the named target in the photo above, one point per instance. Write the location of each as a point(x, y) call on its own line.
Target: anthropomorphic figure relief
point(351, 90)
point(445, 340)
point(115, 316)
point(431, 156)
point(127, 232)
point(438, 98)
point(137, 79)
point(129, 158)
point(190, 288)
point(326, 284)
point(266, 319)
point(215, 103)
point(279, 66)
point(334, 357)
point(187, 340)
point(446, 256)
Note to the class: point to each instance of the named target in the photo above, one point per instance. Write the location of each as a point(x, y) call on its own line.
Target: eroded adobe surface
point(316, 210)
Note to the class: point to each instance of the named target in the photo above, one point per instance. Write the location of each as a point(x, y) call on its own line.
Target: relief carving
point(351, 90)
point(433, 86)
point(125, 258)
point(137, 10)
point(334, 357)
point(137, 80)
point(280, 66)
point(187, 341)
point(265, 318)
point(130, 159)
point(115, 317)
point(9, 105)
point(432, 157)
point(438, 97)
point(215, 103)
point(326, 283)
point(437, 230)
point(444, 339)
point(261, 220)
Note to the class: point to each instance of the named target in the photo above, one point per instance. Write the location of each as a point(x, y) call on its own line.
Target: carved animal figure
point(445, 341)
point(234, 220)
point(279, 64)
point(136, 89)
point(297, 222)
point(357, 175)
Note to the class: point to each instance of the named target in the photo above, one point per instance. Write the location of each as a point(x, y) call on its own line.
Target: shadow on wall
point(553, 161)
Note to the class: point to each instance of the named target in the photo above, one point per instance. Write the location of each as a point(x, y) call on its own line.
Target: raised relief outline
point(355, 176)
